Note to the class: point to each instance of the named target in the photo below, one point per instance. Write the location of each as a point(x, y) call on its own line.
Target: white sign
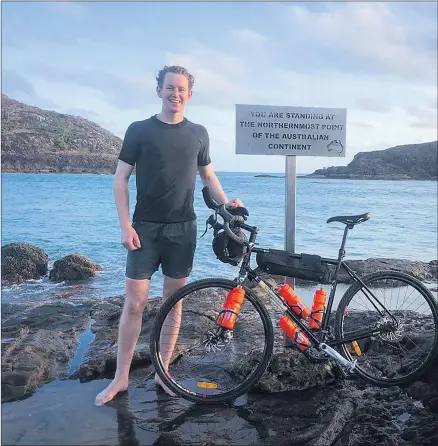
point(280, 130)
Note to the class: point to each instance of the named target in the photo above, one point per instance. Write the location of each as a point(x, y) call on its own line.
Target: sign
point(281, 130)
point(291, 132)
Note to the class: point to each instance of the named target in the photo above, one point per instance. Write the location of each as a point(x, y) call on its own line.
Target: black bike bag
point(300, 266)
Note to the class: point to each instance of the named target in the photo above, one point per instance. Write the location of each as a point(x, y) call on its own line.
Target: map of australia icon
point(335, 145)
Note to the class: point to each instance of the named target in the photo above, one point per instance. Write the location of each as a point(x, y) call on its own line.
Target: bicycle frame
point(247, 271)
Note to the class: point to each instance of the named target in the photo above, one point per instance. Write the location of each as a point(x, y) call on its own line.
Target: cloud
point(201, 56)
point(370, 34)
point(72, 9)
point(219, 77)
point(15, 83)
point(246, 35)
point(422, 117)
point(373, 104)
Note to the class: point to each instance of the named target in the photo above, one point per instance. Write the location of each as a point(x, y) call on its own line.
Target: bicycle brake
point(210, 221)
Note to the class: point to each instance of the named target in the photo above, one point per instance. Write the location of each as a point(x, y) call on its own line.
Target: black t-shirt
point(166, 157)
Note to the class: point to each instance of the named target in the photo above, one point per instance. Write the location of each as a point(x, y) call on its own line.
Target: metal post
point(291, 189)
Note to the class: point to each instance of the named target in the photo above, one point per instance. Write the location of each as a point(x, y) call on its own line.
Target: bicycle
point(368, 338)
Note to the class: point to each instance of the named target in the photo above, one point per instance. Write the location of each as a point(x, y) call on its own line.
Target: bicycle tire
point(167, 306)
point(426, 294)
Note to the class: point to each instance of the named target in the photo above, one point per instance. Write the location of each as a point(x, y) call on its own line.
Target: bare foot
point(163, 386)
point(111, 391)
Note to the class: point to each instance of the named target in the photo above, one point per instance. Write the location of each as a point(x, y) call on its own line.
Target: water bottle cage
point(316, 312)
point(297, 309)
point(297, 341)
point(223, 313)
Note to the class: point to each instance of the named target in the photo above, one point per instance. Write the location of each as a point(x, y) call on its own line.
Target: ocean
point(75, 214)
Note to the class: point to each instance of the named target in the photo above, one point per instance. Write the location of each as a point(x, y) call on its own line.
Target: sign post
point(290, 132)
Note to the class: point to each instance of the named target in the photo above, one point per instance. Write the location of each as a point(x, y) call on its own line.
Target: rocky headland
point(35, 140)
point(73, 339)
point(406, 162)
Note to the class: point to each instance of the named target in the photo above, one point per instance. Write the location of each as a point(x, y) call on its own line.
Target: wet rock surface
point(21, 262)
point(73, 267)
point(38, 341)
point(342, 414)
point(295, 402)
point(100, 360)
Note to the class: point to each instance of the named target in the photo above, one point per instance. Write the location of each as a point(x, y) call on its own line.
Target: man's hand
point(130, 239)
point(234, 203)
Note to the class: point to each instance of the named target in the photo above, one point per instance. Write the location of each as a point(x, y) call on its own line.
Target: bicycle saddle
point(351, 219)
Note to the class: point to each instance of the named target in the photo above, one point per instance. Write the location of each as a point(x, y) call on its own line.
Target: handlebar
point(229, 218)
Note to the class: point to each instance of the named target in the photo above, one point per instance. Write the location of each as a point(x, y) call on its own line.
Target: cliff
point(407, 162)
point(38, 141)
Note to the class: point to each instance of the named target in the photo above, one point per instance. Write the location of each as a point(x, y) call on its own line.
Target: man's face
point(175, 92)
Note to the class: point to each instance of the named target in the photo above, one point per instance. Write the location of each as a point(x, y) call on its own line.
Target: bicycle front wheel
point(198, 360)
point(395, 319)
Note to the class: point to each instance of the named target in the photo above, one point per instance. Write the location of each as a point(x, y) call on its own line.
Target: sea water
point(75, 214)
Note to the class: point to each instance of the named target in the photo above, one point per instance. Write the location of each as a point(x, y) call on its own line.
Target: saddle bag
point(300, 266)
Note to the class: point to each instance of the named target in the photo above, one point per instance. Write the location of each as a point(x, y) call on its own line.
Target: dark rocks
point(101, 358)
point(423, 271)
point(21, 262)
point(289, 370)
point(38, 341)
point(73, 267)
point(420, 270)
point(296, 402)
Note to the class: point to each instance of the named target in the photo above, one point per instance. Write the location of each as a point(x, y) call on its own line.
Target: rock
point(73, 267)
point(289, 369)
point(295, 402)
point(37, 343)
point(423, 271)
point(36, 140)
point(75, 290)
point(420, 270)
point(21, 262)
point(407, 162)
point(101, 357)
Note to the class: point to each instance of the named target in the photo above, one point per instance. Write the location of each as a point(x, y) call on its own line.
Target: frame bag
point(300, 266)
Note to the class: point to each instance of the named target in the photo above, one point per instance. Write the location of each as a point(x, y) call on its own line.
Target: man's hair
point(174, 69)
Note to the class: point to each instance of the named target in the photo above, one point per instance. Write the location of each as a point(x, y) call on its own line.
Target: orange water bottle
point(318, 308)
point(228, 316)
point(289, 295)
point(294, 332)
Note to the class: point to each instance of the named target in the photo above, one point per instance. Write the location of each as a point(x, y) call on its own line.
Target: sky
point(99, 60)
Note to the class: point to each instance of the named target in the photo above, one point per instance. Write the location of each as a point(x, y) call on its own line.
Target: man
point(167, 150)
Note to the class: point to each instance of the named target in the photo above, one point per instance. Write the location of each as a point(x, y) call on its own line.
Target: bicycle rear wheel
point(401, 342)
point(207, 365)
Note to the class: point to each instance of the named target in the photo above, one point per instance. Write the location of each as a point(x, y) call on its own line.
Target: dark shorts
point(170, 244)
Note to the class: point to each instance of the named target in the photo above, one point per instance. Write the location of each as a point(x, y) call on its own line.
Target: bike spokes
point(401, 325)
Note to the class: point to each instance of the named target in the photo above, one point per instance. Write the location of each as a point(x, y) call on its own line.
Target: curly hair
point(174, 69)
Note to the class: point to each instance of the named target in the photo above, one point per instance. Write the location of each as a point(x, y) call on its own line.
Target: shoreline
point(254, 174)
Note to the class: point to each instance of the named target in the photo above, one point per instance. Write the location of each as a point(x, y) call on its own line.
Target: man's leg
point(171, 325)
point(178, 244)
point(129, 330)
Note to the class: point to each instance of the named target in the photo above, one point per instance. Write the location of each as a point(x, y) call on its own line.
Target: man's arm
point(130, 238)
point(210, 179)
